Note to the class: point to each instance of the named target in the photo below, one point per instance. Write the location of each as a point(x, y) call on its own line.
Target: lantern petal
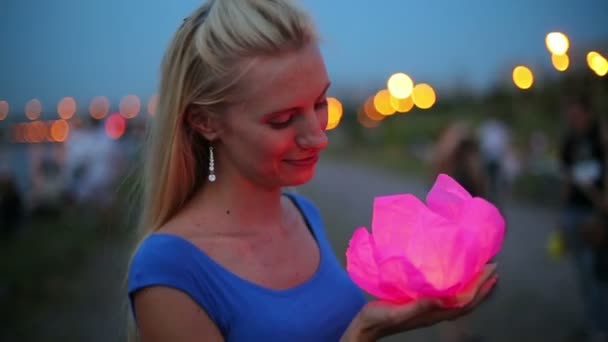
point(447, 197)
point(361, 264)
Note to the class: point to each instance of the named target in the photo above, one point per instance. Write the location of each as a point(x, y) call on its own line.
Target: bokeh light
point(560, 62)
point(37, 132)
point(402, 105)
point(370, 110)
point(115, 126)
point(33, 109)
point(334, 112)
point(99, 107)
point(557, 43)
point(130, 106)
point(59, 131)
point(382, 102)
point(4, 108)
point(424, 96)
point(597, 63)
point(365, 120)
point(152, 105)
point(523, 77)
point(66, 108)
point(400, 85)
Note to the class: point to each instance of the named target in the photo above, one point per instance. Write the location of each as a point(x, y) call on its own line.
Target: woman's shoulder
point(158, 253)
point(303, 202)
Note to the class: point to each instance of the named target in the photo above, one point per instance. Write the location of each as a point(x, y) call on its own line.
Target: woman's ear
point(203, 121)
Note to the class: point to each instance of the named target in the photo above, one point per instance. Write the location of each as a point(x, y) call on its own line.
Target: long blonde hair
point(202, 67)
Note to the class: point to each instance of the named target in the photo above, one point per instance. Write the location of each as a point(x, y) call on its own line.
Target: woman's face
point(274, 137)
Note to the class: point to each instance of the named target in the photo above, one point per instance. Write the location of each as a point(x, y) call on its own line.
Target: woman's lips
point(309, 161)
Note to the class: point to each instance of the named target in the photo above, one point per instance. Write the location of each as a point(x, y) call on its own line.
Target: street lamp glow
point(334, 112)
point(400, 85)
point(424, 96)
point(557, 43)
point(560, 62)
point(523, 77)
point(382, 102)
point(402, 105)
point(597, 63)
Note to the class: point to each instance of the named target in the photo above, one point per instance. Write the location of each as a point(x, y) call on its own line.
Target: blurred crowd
point(82, 174)
point(486, 162)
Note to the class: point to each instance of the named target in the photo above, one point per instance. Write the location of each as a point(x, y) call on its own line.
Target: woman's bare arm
point(166, 314)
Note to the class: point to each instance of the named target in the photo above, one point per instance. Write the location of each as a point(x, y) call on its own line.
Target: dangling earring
point(211, 165)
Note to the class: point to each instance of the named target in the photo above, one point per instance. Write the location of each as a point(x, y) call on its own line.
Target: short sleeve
point(164, 260)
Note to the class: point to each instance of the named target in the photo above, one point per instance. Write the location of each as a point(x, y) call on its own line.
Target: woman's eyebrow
point(290, 109)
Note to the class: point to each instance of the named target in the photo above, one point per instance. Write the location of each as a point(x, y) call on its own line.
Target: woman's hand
point(379, 319)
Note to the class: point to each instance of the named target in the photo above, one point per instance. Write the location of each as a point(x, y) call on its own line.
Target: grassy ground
point(44, 266)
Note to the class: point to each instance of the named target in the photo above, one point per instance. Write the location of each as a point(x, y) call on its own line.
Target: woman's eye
point(281, 121)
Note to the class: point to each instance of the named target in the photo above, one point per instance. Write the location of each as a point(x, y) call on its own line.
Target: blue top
point(319, 309)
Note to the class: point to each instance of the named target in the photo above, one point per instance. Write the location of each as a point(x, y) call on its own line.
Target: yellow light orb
point(400, 85)
point(523, 77)
point(560, 62)
point(424, 96)
point(382, 103)
point(334, 112)
point(402, 105)
point(590, 57)
point(598, 63)
point(557, 43)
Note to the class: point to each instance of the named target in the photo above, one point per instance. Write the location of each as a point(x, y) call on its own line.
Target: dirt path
point(536, 300)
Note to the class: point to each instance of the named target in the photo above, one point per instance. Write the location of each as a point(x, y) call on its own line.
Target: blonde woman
point(226, 255)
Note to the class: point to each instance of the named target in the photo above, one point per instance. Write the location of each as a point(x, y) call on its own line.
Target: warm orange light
point(560, 62)
point(523, 77)
point(37, 132)
point(18, 133)
point(557, 43)
point(370, 110)
point(402, 105)
point(424, 96)
point(334, 112)
point(99, 107)
point(400, 85)
point(115, 126)
point(59, 131)
point(130, 106)
point(364, 119)
point(33, 109)
point(382, 102)
point(66, 108)
point(152, 105)
point(3, 110)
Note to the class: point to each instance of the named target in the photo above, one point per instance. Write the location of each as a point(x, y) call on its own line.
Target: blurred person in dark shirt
point(583, 154)
point(11, 204)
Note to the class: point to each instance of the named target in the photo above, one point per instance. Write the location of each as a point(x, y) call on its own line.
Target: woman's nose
point(312, 132)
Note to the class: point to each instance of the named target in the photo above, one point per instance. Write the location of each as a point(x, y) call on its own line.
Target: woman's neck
point(236, 208)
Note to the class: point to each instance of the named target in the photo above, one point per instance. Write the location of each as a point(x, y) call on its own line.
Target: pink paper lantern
point(436, 250)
